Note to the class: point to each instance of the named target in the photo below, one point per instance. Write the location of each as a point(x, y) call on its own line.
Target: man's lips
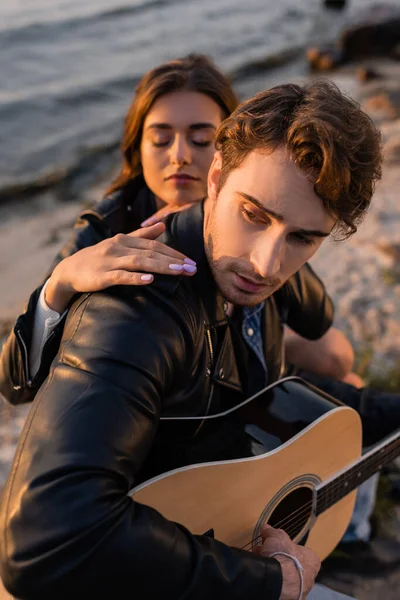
point(248, 285)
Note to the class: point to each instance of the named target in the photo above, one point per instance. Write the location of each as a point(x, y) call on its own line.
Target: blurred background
point(68, 72)
point(69, 68)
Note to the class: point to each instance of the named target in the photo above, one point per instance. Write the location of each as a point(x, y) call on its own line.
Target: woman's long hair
point(194, 73)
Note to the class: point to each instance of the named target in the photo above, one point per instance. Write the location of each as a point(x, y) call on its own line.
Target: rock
point(392, 250)
point(335, 3)
point(322, 59)
point(388, 308)
point(392, 150)
point(375, 32)
point(364, 74)
point(383, 105)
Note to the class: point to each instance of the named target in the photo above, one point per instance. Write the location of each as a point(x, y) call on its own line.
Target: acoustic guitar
point(300, 474)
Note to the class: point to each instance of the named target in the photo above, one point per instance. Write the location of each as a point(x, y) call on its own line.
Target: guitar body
point(234, 498)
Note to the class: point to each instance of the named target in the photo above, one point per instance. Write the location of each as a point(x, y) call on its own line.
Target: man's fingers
point(268, 532)
point(275, 540)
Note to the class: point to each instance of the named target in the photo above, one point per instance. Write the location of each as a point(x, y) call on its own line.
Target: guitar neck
point(336, 488)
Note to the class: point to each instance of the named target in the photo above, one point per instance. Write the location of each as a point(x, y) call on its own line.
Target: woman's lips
point(182, 179)
point(247, 285)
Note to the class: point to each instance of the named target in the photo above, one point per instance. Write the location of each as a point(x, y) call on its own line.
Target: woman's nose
point(180, 152)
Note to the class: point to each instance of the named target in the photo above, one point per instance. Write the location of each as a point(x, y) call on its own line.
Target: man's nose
point(267, 255)
point(180, 152)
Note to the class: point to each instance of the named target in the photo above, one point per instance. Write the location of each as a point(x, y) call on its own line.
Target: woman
point(167, 147)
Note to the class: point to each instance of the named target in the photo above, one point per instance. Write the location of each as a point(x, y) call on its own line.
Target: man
point(293, 165)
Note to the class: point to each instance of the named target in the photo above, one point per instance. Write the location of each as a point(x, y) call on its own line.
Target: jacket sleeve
point(68, 528)
point(308, 305)
point(16, 384)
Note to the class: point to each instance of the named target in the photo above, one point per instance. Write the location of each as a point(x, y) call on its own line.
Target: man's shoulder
point(169, 303)
point(130, 326)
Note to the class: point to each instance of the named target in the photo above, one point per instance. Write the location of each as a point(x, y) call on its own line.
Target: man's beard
point(221, 268)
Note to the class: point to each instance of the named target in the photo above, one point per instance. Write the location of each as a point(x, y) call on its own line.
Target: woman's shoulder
point(123, 210)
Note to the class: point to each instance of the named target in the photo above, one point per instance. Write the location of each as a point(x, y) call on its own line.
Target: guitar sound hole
point(293, 512)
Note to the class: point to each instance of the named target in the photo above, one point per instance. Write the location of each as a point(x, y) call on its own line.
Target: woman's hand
point(121, 260)
point(166, 210)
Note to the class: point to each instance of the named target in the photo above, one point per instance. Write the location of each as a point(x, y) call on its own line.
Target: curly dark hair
point(324, 131)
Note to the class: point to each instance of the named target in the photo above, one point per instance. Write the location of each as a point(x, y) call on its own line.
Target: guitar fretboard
point(337, 488)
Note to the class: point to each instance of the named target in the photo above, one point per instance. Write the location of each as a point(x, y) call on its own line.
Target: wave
point(104, 90)
point(266, 63)
point(86, 164)
point(66, 180)
point(38, 29)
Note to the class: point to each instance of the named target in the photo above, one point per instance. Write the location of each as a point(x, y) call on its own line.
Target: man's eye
point(303, 240)
point(250, 216)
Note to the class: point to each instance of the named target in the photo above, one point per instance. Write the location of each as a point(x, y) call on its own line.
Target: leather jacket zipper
point(24, 353)
point(209, 373)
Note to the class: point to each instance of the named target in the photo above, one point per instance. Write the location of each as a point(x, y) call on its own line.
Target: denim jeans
point(320, 592)
point(359, 527)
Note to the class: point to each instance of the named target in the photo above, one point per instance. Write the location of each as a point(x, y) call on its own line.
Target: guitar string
point(304, 507)
point(256, 541)
point(279, 524)
point(284, 523)
point(330, 492)
point(291, 517)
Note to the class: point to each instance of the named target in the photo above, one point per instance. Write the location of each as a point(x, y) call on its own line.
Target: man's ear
point(214, 174)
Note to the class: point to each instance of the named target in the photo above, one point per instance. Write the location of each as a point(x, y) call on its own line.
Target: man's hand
point(276, 540)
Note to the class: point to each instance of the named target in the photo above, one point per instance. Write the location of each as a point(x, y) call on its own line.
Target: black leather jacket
point(121, 212)
point(311, 308)
point(128, 356)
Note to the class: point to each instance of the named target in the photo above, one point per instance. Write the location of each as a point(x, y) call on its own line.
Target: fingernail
point(146, 277)
point(148, 222)
point(189, 268)
point(176, 267)
point(189, 261)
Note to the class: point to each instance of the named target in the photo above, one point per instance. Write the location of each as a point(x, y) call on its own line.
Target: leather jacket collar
point(185, 233)
point(186, 229)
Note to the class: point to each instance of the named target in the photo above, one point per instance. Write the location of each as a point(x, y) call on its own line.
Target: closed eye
point(204, 144)
point(161, 144)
